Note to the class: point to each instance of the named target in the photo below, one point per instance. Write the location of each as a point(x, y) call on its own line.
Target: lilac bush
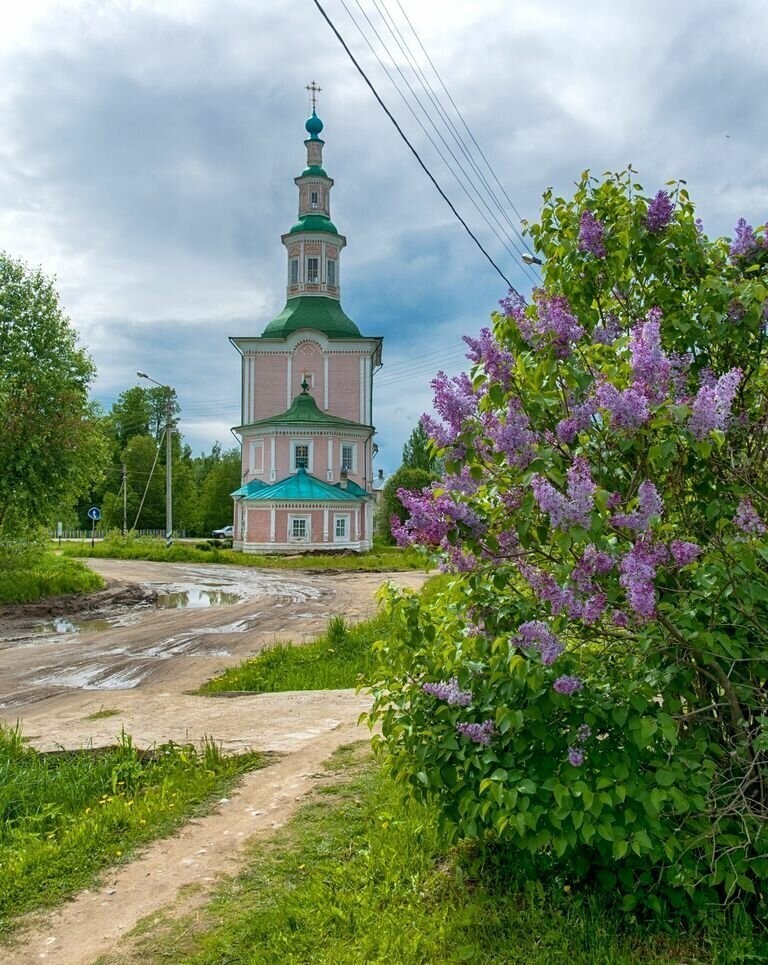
point(602, 516)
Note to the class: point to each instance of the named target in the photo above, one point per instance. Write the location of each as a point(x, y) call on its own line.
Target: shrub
point(590, 689)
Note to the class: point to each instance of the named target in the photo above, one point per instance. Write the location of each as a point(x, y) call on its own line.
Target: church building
point(307, 396)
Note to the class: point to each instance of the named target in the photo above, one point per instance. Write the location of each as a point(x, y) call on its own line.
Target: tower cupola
point(314, 244)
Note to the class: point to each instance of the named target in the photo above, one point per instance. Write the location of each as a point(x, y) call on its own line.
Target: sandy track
point(52, 684)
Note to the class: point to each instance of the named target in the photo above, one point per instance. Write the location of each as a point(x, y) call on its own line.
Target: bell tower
point(313, 244)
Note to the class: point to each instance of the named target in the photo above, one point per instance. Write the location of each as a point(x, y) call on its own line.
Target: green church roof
point(249, 488)
point(303, 487)
point(313, 127)
point(314, 222)
point(304, 411)
point(312, 311)
point(314, 170)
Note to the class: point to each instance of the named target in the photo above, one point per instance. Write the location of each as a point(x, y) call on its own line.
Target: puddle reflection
point(196, 598)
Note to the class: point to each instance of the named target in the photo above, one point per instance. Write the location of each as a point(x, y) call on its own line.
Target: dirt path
point(143, 665)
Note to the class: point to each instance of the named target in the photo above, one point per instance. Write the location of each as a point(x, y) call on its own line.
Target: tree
point(589, 690)
point(52, 447)
point(215, 493)
point(391, 506)
point(419, 453)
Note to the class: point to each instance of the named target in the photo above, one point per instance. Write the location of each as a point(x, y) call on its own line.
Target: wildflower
point(478, 733)
point(536, 635)
point(450, 692)
point(748, 520)
point(591, 235)
point(568, 685)
point(683, 552)
point(711, 409)
point(575, 756)
point(659, 212)
point(649, 504)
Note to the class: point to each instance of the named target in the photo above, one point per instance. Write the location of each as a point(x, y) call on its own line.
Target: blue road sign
point(94, 513)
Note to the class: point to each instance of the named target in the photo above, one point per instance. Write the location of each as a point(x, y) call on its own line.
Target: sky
point(148, 150)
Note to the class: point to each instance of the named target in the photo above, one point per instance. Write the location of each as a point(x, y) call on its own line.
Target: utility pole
point(125, 500)
point(168, 456)
point(168, 468)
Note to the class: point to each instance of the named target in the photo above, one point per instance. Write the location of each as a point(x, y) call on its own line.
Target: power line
point(435, 128)
point(413, 150)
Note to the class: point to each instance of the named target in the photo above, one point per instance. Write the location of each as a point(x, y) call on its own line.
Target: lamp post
point(168, 456)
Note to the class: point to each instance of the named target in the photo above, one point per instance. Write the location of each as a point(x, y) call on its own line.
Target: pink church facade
point(307, 398)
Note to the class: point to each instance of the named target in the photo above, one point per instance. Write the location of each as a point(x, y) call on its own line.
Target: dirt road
point(143, 661)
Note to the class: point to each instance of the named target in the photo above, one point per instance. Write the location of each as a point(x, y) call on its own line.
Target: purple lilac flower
point(736, 311)
point(553, 324)
point(648, 504)
point(478, 733)
point(607, 333)
point(450, 692)
point(513, 436)
point(573, 509)
point(579, 419)
point(592, 562)
point(628, 408)
point(583, 733)
point(575, 756)
point(638, 571)
point(683, 552)
point(513, 306)
point(745, 241)
point(457, 560)
point(593, 608)
point(619, 618)
point(699, 226)
point(651, 367)
point(748, 520)
point(498, 362)
point(536, 635)
point(711, 409)
point(591, 235)
point(455, 401)
point(659, 212)
point(568, 685)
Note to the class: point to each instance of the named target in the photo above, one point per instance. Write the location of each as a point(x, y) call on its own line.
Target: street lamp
point(168, 456)
point(530, 259)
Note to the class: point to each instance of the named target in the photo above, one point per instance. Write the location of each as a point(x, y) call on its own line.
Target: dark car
point(226, 532)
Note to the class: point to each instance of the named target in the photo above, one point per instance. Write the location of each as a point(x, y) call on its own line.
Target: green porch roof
point(249, 488)
point(305, 488)
point(312, 311)
point(303, 410)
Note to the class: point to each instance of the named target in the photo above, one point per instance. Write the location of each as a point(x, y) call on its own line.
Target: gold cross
point(314, 90)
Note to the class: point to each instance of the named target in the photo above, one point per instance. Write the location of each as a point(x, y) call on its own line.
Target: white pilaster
point(272, 520)
point(272, 464)
point(325, 381)
point(289, 378)
point(362, 389)
point(325, 525)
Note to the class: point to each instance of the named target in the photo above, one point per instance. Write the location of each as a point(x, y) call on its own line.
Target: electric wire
point(413, 150)
point(423, 128)
point(426, 86)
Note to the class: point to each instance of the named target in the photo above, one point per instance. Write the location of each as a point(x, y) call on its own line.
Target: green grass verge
point(358, 876)
point(341, 657)
point(336, 660)
point(381, 559)
point(46, 575)
point(66, 815)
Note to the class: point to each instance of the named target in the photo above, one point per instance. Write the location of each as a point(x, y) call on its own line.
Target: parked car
point(226, 532)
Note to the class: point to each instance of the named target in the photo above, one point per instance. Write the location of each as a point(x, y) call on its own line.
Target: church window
point(347, 457)
point(294, 271)
point(298, 528)
point(301, 457)
point(340, 528)
point(331, 272)
point(313, 270)
point(314, 202)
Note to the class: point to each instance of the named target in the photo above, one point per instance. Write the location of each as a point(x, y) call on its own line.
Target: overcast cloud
point(147, 156)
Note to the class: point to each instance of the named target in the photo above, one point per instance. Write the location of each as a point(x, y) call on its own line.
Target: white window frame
point(348, 445)
point(341, 518)
point(314, 200)
point(293, 271)
point(313, 274)
point(256, 461)
point(307, 537)
point(310, 453)
point(330, 264)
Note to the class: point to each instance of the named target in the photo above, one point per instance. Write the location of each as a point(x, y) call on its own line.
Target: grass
point(44, 575)
point(66, 815)
point(359, 876)
point(103, 713)
point(333, 661)
point(380, 559)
